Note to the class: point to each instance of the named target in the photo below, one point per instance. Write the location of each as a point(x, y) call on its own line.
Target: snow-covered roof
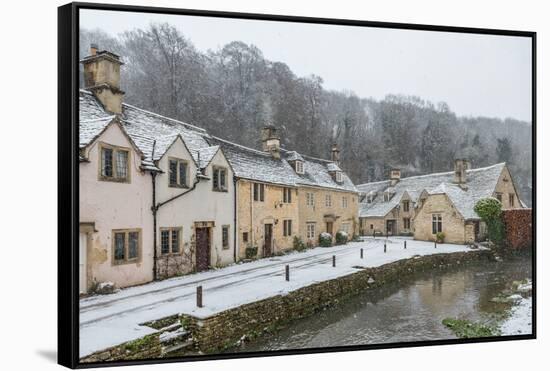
point(261, 166)
point(480, 183)
point(153, 134)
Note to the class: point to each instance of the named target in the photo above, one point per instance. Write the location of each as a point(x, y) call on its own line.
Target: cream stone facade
point(326, 210)
point(108, 206)
point(445, 199)
point(260, 220)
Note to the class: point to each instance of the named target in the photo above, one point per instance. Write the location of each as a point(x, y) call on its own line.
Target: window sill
point(177, 186)
point(114, 180)
point(126, 262)
point(220, 190)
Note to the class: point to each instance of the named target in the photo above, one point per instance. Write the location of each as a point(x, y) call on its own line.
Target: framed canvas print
point(236, 185)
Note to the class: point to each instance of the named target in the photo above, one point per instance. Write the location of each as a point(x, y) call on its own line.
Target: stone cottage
point(282, 194)
point(422, 206)
point(156, 198)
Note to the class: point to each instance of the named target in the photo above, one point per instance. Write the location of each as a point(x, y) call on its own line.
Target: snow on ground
point(108, 320)
point(519, 322)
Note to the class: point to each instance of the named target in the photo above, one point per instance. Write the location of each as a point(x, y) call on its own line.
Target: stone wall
point(225, 329)
point(146, 347)
point(518, 228)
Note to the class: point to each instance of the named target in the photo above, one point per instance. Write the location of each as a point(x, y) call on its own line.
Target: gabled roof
point(480, 183)
point(153, 134)
point(260, 166)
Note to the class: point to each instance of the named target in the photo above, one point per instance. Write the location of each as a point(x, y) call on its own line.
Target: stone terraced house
point(424, 205)
point(281, 194)
point(160, 197)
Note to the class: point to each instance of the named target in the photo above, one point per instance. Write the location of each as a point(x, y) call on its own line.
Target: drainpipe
point(154, 210)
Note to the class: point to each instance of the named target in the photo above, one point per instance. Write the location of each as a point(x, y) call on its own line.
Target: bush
point(325, 239)
point(490, 210)
point(440, 237)
point(251, 252)
point(341, 238)
point(298, 244)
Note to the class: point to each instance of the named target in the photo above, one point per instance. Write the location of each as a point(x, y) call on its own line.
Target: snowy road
point(112, 319)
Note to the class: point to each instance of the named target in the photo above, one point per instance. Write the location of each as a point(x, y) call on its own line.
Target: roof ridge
point(241, 146)
point(111, 117)
point(435, 174)
point(167, 118)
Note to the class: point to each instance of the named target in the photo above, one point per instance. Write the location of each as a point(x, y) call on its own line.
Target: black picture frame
point(68, 192)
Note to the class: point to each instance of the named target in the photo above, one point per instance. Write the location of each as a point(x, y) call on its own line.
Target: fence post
point(334, 260)
point(384, 247)
point(405, 244)
point(199, 296)
point(373, 234)
point(435, 244)
point(361, 253)
point(287, 272)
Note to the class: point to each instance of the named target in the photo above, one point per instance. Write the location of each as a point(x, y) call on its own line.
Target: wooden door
point(329, 227)
point(268, 239)
point(82, 260)
point(203, 248)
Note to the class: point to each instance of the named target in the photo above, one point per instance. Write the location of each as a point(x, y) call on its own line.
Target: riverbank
point(235, 287)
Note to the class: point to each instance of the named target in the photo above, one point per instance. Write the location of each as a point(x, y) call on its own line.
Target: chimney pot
point(93, 49)
point(335, 154)
point(395, 176)
point(461, 165)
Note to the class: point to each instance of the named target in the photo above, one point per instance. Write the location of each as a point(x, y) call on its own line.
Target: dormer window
point(177, 173)
point(386, 196)
point(114, 163)
point(299, 167)
point(338, 176)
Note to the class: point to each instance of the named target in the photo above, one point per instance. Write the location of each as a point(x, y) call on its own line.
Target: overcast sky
point(477, 75)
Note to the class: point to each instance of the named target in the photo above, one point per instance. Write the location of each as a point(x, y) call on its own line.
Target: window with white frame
point(310, 230)
point(170, 240)
point(114, 163)
point(437, 223)
point(345, 227)
point(344, 202)
point(177, 172)
point(339, 177)
point(310, 201)
point(299, 167)
point(328, 200)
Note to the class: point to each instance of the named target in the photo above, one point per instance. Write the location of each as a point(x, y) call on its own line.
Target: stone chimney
point(461, 165)
point(271, 142)
point(102, 77)
point(335, 154)
point(395, 176)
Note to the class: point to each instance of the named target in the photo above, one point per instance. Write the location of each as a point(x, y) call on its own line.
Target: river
point(410, 310)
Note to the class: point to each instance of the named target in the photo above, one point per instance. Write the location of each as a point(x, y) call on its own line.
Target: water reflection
point(410, 310)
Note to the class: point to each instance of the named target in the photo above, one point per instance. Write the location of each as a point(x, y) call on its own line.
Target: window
point(299, 167)
point(259, 190)
point(126, 245)
point(437, 223)
point(310, 230)
point(328, 201)
point(339, 177)
point(345, 227)
point(310, 201)
point(170, 240)
point(406, 223)
point(406, 206)
point(386, 196)
point(287, 195)
point(219, 179)
point(177, 173)
point(372, 226)
point(225, 237)
point(114, 163)
point(287, 228)
point(245, 237)
point(499, 197)
point(344, 202)
point(511, 199)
